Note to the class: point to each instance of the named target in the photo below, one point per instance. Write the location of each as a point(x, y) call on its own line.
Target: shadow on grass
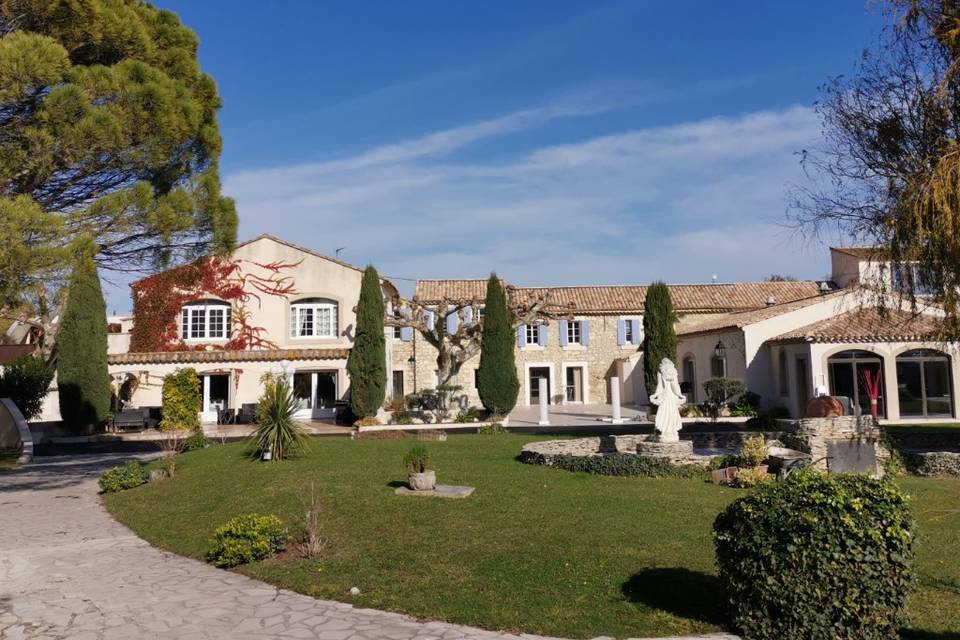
point(393, 484)
point(684, 593)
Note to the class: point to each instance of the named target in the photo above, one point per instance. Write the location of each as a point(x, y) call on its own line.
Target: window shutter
point(521, 336)
point(622, 332)
point(452, 321)
point(636, 331)
point(406, 334)
point(585, 332)
point(563, 333)
point(543, 335)
point(467, 315)
point(428, 314)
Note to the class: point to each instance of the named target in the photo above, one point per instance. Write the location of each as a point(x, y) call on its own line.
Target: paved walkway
point(68, 570)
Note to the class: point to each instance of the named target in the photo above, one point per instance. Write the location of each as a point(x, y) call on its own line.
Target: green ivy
point(181, 401)
point(133, 474)
point(817, 556)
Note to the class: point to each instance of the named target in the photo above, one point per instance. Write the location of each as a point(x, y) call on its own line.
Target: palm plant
point(277, 433)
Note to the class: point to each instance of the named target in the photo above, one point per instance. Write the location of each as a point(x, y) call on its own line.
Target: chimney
point(771, 301)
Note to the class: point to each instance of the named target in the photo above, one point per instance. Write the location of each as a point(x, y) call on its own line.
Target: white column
point(544, 401)
point(206, 393)
point(615, 399)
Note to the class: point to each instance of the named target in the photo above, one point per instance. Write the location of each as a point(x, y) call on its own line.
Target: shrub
point(181, 401)
point(277, 432)
point(497, 382)
point(25, 381)
point(817, 556)
point(367, 364)
point(492, 429)
point(753, 452)
point(401, 417)
point(720, 391)
point(626, 464)
point(368, 421)
point(245, 539)
point(395, 402)
point(312, 542)
point(195, 441)
point(766, 419)
point(748, 477)
point(724, 461)
point(417, 459)
point(83, 382)
point(133, 474)
point(466, 417)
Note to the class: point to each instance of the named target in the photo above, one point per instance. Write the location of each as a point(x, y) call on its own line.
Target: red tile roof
point(249, 355)
point(744, 318)
point(687, 298)
point(868, 325)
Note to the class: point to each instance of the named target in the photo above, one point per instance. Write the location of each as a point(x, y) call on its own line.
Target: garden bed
point(532, 550)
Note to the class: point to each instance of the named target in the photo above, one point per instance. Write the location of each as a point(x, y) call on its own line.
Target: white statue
point(668, 399)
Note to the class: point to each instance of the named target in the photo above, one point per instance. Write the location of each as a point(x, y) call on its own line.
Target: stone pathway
point(68, 570)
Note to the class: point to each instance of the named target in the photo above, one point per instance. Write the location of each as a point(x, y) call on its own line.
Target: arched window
point(847, 370)
point(205, 320)
point(924, 387)
point(313, 318)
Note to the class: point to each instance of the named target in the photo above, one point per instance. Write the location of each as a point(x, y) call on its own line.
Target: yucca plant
point(277, 433)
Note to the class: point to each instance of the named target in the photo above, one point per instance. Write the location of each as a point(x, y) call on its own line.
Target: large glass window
point(313, 318)
point(923, 384)
point(205, 321)
point(847, 371)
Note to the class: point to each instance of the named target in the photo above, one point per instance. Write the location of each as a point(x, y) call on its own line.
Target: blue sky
point(556, 142)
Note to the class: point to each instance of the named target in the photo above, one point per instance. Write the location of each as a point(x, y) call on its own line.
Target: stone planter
point(425, 481)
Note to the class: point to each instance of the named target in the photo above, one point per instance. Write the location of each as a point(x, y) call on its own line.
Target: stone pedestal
point(680, 451)
point(817, 436)
point(544, 402)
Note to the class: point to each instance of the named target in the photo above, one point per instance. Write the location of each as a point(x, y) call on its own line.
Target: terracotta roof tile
point(687, 298)
point(744, 318)
point(868, 325)
point(248, 355)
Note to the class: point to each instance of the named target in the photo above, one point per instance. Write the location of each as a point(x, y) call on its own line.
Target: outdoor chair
point(247, 413)
point(134, 418)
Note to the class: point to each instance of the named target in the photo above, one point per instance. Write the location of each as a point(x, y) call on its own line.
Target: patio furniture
point(247, 413)
point(227, 416)
point(134, 418)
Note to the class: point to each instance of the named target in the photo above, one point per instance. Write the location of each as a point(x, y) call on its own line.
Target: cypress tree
point(83, 382)
point(497, 375)
point(659, 336)
point(367, 364)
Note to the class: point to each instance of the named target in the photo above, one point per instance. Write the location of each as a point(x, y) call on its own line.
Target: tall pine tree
point(83, 382)
point(659, 335)
point(367, 364)
point(497, 375)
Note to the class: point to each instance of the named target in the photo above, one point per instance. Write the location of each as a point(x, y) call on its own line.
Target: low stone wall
point(727, 439)
point(813, 435)
point(932, 463)
point(545, 451)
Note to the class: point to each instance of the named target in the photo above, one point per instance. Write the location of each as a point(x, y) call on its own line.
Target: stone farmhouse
point(272, 306)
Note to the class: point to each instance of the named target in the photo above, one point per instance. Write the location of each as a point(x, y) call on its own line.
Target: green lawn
point(534, 549)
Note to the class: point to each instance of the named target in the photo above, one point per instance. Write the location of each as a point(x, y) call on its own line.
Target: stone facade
point(814, 435)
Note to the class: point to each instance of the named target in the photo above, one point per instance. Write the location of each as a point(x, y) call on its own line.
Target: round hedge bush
point(817, 556)
point(245, 539)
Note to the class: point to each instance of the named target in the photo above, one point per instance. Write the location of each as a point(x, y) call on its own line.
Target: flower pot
point(267, 455)
point(425, 481)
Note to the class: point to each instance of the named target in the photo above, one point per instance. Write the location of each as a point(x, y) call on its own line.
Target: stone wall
point(932, 463)
point(544, 451)
point(813, 435)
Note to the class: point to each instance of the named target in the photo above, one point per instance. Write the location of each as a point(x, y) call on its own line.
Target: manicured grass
point(534, 549)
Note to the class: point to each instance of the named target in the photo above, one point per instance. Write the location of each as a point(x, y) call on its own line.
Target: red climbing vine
point(158, 299)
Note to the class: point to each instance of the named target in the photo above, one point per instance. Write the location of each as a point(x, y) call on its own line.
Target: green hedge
point(817, 556)
point(626, 464)
point(245, 539)
point(932, 463)
point(133, 474)
point(181, 401)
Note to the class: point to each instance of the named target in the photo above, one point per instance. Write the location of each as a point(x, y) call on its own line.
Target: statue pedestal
point(674, 451)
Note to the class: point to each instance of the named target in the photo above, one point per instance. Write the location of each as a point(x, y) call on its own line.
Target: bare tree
point(454, 348)
point(888, 172)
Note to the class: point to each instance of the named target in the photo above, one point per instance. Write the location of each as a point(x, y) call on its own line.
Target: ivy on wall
point(158, 299)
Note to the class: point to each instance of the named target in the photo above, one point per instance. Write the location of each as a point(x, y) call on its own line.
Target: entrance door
point(215, 394)
point(535, 374)
point(398, 382)
point(574, 387)
point(317, 393)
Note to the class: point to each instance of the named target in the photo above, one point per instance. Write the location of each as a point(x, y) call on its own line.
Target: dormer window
point(205, 320)
point(313, 318)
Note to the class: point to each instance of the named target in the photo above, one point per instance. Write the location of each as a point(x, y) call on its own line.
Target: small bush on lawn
point(748, 477)
point(194, 442)
point(625, 464)
point(492, 429)
point(401, 417)
point(753, 452)
point(817, 556)
point(245, 539)
point(133, 474)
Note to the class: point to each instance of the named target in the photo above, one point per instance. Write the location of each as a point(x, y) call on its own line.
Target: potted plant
point(419, 477)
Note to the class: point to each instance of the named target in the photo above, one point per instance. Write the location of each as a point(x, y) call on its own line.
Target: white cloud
point(679, 202)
